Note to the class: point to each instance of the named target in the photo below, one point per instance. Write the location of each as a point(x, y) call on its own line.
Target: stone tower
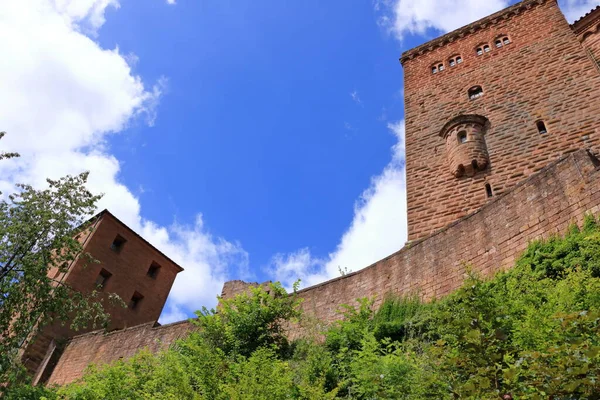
point(493, 102)
point(128, 266)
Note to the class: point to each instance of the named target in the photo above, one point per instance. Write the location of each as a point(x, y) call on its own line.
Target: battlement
point(472, 28)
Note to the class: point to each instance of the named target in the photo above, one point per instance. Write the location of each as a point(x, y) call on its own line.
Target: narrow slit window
point(462, 137)
point(475, 92)
point(458, 60)
point(102, 278)
point(541, 126)
point(479, 51)
point(153, 270)
point(498, 43)
point(486, 48)
point(134, 303)
point(488, 190)
point(118, 243)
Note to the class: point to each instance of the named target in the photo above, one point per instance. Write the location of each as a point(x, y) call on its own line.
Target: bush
point(532, 332)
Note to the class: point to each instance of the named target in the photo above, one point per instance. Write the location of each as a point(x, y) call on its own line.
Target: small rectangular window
point(153, 270)
point(102, 278)
point(118, 243)
point(541, 127)
point(488, 190)
point(134, 303)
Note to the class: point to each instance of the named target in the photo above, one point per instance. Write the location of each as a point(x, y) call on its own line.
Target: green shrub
point(532, 332)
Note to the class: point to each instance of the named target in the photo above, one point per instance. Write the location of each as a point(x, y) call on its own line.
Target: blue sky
point(246, 139)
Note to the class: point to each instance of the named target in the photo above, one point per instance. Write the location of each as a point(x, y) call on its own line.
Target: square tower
point(491, 103)
point(129, 266)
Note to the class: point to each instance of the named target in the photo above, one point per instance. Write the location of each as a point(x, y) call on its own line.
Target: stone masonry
point(502, 137)
point(541, 72)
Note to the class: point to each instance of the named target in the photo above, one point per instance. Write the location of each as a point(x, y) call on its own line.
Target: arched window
point(541, 126)
point(486, 48)
point(498, 43)
point(479, 51)
point(461, 137)
point(458, 59)
point(434, 70)
point(441, 67)
point(452, 62)
point(475, 92)
point(506, 40)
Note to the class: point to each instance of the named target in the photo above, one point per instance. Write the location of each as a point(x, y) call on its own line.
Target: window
point(153, 270)
point(452, 62)
point(134, 303)
point(498, 43)
point(541, 127)
point(434, 70)
point(441, 67)
point(486, 48)
point(462, 137)
point(118, 243)
point(488, 190)
point(475, 92)
point(479, 51)
point(102, 278)
point(459, 60)
point(506, 40)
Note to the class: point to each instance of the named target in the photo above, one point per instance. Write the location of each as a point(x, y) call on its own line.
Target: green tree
point(37, 232)
point(250, 320)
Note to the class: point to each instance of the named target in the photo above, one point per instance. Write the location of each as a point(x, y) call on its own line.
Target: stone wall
point(100, 348)
point(543, 73)
point(587, 29)
point(489, 240)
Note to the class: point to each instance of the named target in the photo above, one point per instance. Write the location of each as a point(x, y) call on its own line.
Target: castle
point(502, 133)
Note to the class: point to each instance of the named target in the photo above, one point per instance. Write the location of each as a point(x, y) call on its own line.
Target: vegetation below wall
point(530, 333)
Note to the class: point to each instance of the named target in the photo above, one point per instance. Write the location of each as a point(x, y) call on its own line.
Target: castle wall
point(587, 30)
point(99, 348)
point(542, 74)
point(489, 240)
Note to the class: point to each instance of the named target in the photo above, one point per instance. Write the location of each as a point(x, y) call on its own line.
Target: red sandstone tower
point(493, 102)
point(128, 266)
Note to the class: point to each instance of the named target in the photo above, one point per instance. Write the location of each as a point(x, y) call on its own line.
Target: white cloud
point(418, 17)
point(171, 2)
point(575, 9)
point(356, 97)
point(378, 228)
point(62, 97)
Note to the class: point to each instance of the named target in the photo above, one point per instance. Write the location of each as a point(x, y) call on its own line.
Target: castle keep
point(502, 138)
point(492, 103)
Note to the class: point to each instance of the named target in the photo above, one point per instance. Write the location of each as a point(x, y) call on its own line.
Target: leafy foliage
point(532, 332)
point(37, 232)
